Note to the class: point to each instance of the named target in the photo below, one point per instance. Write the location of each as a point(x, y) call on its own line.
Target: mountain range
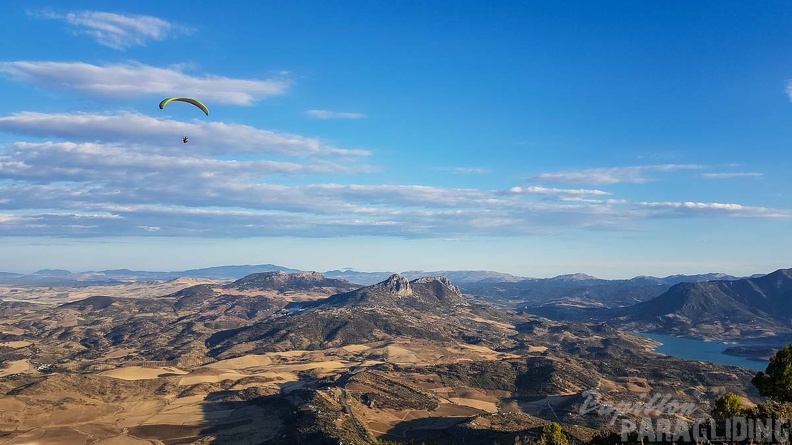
point(61, 276)
point(578, 290)
point(707, 305)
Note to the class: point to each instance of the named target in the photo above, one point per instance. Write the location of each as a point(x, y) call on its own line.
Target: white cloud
point(612, 175)
point(8, 217)
point(241, 209)
point(556, 191)
point(401, 195)
point(103, 162)
point(687, 208)
point(212, 198)
point(731, 175)
point(136, 79)
point(163, 135)
point(328, 114)
point(117, 31)
point(464, 170)
point(122, 174)
point(592, 200)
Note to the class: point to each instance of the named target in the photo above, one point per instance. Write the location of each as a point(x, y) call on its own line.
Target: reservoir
point(707, 351)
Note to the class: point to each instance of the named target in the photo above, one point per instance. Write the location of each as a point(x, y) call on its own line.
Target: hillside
point(168, 327)
point(430, 308)
point(749, 307)
point(289, 282)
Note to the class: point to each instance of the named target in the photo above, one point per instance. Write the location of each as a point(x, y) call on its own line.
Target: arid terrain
point(299, 358)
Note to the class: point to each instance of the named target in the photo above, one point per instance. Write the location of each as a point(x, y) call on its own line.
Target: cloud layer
point(731, 175)
point(164, 135)
point(613, 175)
point(129, 174)
point(117, 31)
point(128, 80)
point(328, 114)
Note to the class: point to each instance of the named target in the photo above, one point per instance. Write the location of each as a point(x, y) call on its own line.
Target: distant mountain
point(239, 271)
point(283, 282)
point(52, 273)
point(563, 291)
point(579, 290)
point(233, 272)
point(457, 276)
point(215, 273)
point(10, 275)
point(574, 277)
point(465, 276)
point(362, 278)
point(485, 277)
point(64, 277)
point(675, 279)
point(256, 295)
point(541, 291)
point(744, 307)
point(58, 277)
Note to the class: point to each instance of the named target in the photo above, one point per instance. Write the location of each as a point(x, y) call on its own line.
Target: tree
point(727, 405)
point(776, 381)
point(552, 435)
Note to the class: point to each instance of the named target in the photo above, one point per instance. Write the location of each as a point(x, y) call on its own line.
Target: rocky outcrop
point(397, 285)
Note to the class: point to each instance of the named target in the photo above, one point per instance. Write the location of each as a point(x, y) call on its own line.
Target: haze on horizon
point(532, 138)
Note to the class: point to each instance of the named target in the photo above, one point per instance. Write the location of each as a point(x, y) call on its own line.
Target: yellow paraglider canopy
point(185, 99)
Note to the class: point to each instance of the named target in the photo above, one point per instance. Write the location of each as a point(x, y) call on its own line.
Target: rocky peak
point(439, 280)
point(425, 293)
point(440, 288)
point(398, 285)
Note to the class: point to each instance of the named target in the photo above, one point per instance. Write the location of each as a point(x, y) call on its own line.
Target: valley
point(195, 360)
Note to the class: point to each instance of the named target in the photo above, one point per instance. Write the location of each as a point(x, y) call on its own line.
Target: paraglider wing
point(185, 99)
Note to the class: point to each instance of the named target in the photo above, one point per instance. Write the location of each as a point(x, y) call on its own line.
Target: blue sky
point(536, 138)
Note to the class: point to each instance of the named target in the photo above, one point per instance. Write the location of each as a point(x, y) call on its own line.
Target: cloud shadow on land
point(252, 414)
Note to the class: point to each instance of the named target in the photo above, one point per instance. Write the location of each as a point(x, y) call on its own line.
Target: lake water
point(706, 351)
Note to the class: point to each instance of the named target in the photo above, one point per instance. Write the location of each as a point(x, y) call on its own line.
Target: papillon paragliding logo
point(189, 100)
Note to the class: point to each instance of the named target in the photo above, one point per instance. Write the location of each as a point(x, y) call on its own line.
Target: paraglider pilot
point(185, 139)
